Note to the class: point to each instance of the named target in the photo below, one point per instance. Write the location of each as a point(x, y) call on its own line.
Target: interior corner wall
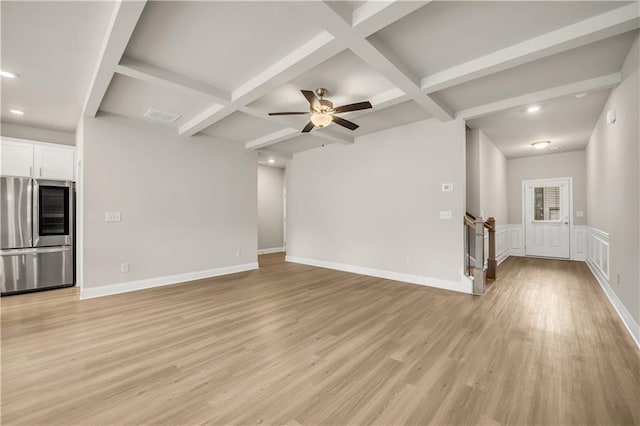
point(188, 205)
point(613, 187)
point(486, 178)
point(270, 207)
point(375, 205)
point(567, 164)
point(472, 162)
point(32, 133)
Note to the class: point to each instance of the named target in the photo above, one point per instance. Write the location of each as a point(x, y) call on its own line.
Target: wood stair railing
point(480, 275)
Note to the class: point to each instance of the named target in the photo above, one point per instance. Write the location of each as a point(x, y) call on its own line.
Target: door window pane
point(54, 210)
point(546, 203)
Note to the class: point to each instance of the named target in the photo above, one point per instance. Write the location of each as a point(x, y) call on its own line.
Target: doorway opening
point(547, 210)
point(272, 209)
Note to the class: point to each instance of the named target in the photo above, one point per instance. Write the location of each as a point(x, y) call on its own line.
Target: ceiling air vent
point(157, 115)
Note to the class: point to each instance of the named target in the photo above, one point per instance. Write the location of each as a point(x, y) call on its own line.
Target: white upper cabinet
point(54, 163)
point(37, 159)
point(17, 159)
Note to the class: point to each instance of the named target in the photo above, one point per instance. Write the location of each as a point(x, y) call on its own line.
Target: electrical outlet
point(112, 217)
point(124, 268)
point(579, 214)
point(407, 260)
point(447, 187)
point(238, 253)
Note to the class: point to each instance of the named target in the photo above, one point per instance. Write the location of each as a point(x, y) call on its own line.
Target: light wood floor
point(292, 344)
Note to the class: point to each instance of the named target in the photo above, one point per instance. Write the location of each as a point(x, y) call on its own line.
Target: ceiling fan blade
point(308, 127)
point(353, 107)
point(312, 98)
point(344, 123)
point(288, 113)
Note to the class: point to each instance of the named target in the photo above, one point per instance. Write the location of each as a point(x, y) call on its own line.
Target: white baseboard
point(271, 250)
point(632, 327)
point(462, 286)
point(106, 290)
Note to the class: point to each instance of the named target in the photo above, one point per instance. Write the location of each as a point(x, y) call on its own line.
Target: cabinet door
point(54, 163)
point(17, 159)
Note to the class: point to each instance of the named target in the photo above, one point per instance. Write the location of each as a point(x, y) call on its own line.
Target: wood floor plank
point(294, 344)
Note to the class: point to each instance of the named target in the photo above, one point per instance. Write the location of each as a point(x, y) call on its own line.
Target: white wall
point(472, 161)
point(187, 205)
point(270, 207)
point(566, 164)
point(486, 178)
point(374, 206)
point(613, 189)
point(33, 133)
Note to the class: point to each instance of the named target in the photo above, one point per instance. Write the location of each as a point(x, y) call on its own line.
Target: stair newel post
point(491, 261)
point(479, 276)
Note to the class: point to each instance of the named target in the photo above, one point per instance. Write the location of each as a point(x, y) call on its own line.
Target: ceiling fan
point(323, 113)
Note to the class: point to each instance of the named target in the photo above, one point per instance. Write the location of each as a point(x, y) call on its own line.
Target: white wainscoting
point(516, 240)
point(502, 243)
point(106, 290)
point(579, 243)
point(598, 260)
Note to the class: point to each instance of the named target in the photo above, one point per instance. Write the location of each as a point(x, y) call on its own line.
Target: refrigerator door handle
point(40, 250)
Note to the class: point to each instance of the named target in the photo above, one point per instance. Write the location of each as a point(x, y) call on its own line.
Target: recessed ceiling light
point(540, 144)
point(581, 95)
point(7, 74)
point(271, 161)
point(534, 108)
point(16, 112)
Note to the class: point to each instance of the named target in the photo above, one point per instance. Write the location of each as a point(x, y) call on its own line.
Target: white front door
point(547, 216)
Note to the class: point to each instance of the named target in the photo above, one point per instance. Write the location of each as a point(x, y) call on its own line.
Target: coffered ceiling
point(222, 66)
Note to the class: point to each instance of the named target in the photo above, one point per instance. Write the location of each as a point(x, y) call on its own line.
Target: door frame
point(524, 212)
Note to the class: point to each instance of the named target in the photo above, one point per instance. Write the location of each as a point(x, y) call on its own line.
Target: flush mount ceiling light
point(271, 161)
point(581, 95)
point(324, 113)
point(533, 108)
point(16, 112)
point(540, 144)
point(7, 74)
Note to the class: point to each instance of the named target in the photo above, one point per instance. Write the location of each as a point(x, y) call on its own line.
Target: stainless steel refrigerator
point(36, 241)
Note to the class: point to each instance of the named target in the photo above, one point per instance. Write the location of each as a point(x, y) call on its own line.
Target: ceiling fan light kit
point(323, 113)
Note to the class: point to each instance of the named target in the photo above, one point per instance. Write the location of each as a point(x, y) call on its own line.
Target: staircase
point(480, 252)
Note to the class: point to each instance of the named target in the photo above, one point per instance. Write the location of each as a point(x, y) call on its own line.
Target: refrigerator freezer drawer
point(34, 269)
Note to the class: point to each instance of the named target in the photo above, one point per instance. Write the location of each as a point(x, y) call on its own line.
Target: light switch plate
point(112, 217)
point(447, 187)
point(445, 214)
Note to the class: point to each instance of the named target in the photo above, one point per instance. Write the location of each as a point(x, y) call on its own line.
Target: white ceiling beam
point(374, 15)
point(143, 71)
point(322, 14)
point(307, 56)
point(123, 21)
point(588, 31)
point(597, 83)
point(272, 138)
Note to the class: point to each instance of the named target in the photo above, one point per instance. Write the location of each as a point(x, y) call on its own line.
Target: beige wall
point(472, 161)
point(377, 203)
point(187, 204)
point(486, 178)
point(35, 134)
point(566, 164)
point(270, 207)
point(613, 188)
